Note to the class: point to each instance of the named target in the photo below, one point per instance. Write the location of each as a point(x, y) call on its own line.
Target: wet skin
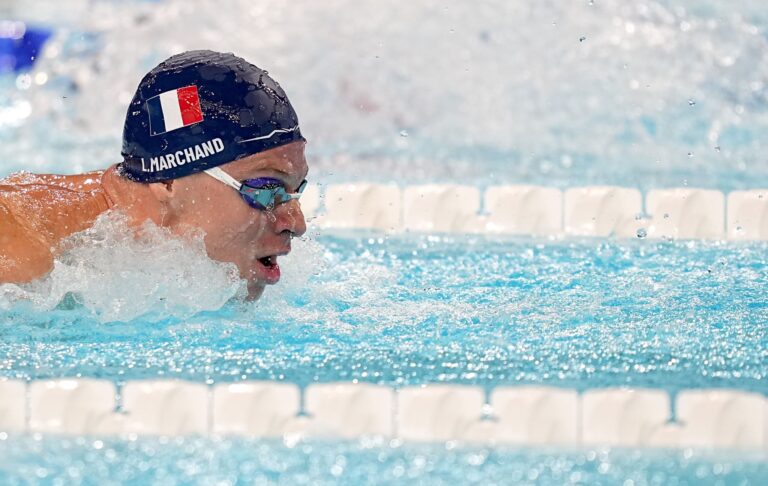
point(37, 212)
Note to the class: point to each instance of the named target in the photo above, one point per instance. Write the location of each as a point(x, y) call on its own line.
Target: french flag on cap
point(174, 109)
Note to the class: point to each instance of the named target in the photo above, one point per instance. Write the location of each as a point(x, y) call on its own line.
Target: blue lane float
point(20, 45)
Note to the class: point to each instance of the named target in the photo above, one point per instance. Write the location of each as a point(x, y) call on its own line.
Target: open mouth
point(268, 269)
point(268, 261)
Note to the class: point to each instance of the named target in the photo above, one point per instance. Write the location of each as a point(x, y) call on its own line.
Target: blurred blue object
point(20, 45)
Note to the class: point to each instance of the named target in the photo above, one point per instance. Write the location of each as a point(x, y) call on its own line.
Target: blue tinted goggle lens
point(265, 193)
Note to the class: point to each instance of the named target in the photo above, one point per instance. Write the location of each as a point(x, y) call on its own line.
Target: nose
point(288, 217)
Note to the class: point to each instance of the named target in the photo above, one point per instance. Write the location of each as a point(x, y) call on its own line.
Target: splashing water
point(411, 310)
point(546, 92)
point(120, 275)
point(499, 92)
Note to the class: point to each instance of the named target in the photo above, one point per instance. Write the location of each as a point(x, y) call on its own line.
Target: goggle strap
point(222, 176)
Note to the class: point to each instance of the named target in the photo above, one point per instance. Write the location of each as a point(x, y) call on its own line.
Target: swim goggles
point(263, 193)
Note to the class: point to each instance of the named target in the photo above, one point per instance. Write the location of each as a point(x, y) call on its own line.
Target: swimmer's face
point(235, 232)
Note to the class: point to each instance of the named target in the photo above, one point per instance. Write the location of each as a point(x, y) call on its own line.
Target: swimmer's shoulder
point(36, 212)
point(52, 207)
point(24, 256)
point(87, 182)
point(30, 195)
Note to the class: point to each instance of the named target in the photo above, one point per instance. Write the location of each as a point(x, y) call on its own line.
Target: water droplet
point(717, 148)
point(691, 102)
point(23, 81)
point(666, 215)
point(690, 154)
point(642, 233)
point(403, 133)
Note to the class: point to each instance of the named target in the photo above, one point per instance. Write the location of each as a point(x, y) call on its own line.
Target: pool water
point(402, 310)
point(240, 462)
point(646, 94)
point(649, 94)
point(422, 309)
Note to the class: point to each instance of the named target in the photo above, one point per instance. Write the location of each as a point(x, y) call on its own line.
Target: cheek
point(228, 211)
point(237, 231)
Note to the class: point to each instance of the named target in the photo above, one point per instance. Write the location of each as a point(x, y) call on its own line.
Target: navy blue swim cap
point(202, 109)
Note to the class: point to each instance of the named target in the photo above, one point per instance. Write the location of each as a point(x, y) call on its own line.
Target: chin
point(255, 289)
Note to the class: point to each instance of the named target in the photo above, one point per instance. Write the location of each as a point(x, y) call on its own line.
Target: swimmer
point(210, 143)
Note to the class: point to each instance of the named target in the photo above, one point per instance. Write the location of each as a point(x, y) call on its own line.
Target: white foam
point(119, 275)
point(350, 289)
point(334, 288)
point(458, 75)
point(305, 261)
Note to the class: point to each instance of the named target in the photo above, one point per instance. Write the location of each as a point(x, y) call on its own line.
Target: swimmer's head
point(202, 109)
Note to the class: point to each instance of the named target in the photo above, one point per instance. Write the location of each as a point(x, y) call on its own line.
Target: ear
point(163, 191)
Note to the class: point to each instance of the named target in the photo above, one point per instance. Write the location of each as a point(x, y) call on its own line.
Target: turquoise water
point(409, 310)
point(236, 462)
point(419, 309)
point(643, 94)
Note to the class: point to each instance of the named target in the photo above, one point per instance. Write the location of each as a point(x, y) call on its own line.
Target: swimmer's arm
point(23, 257)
